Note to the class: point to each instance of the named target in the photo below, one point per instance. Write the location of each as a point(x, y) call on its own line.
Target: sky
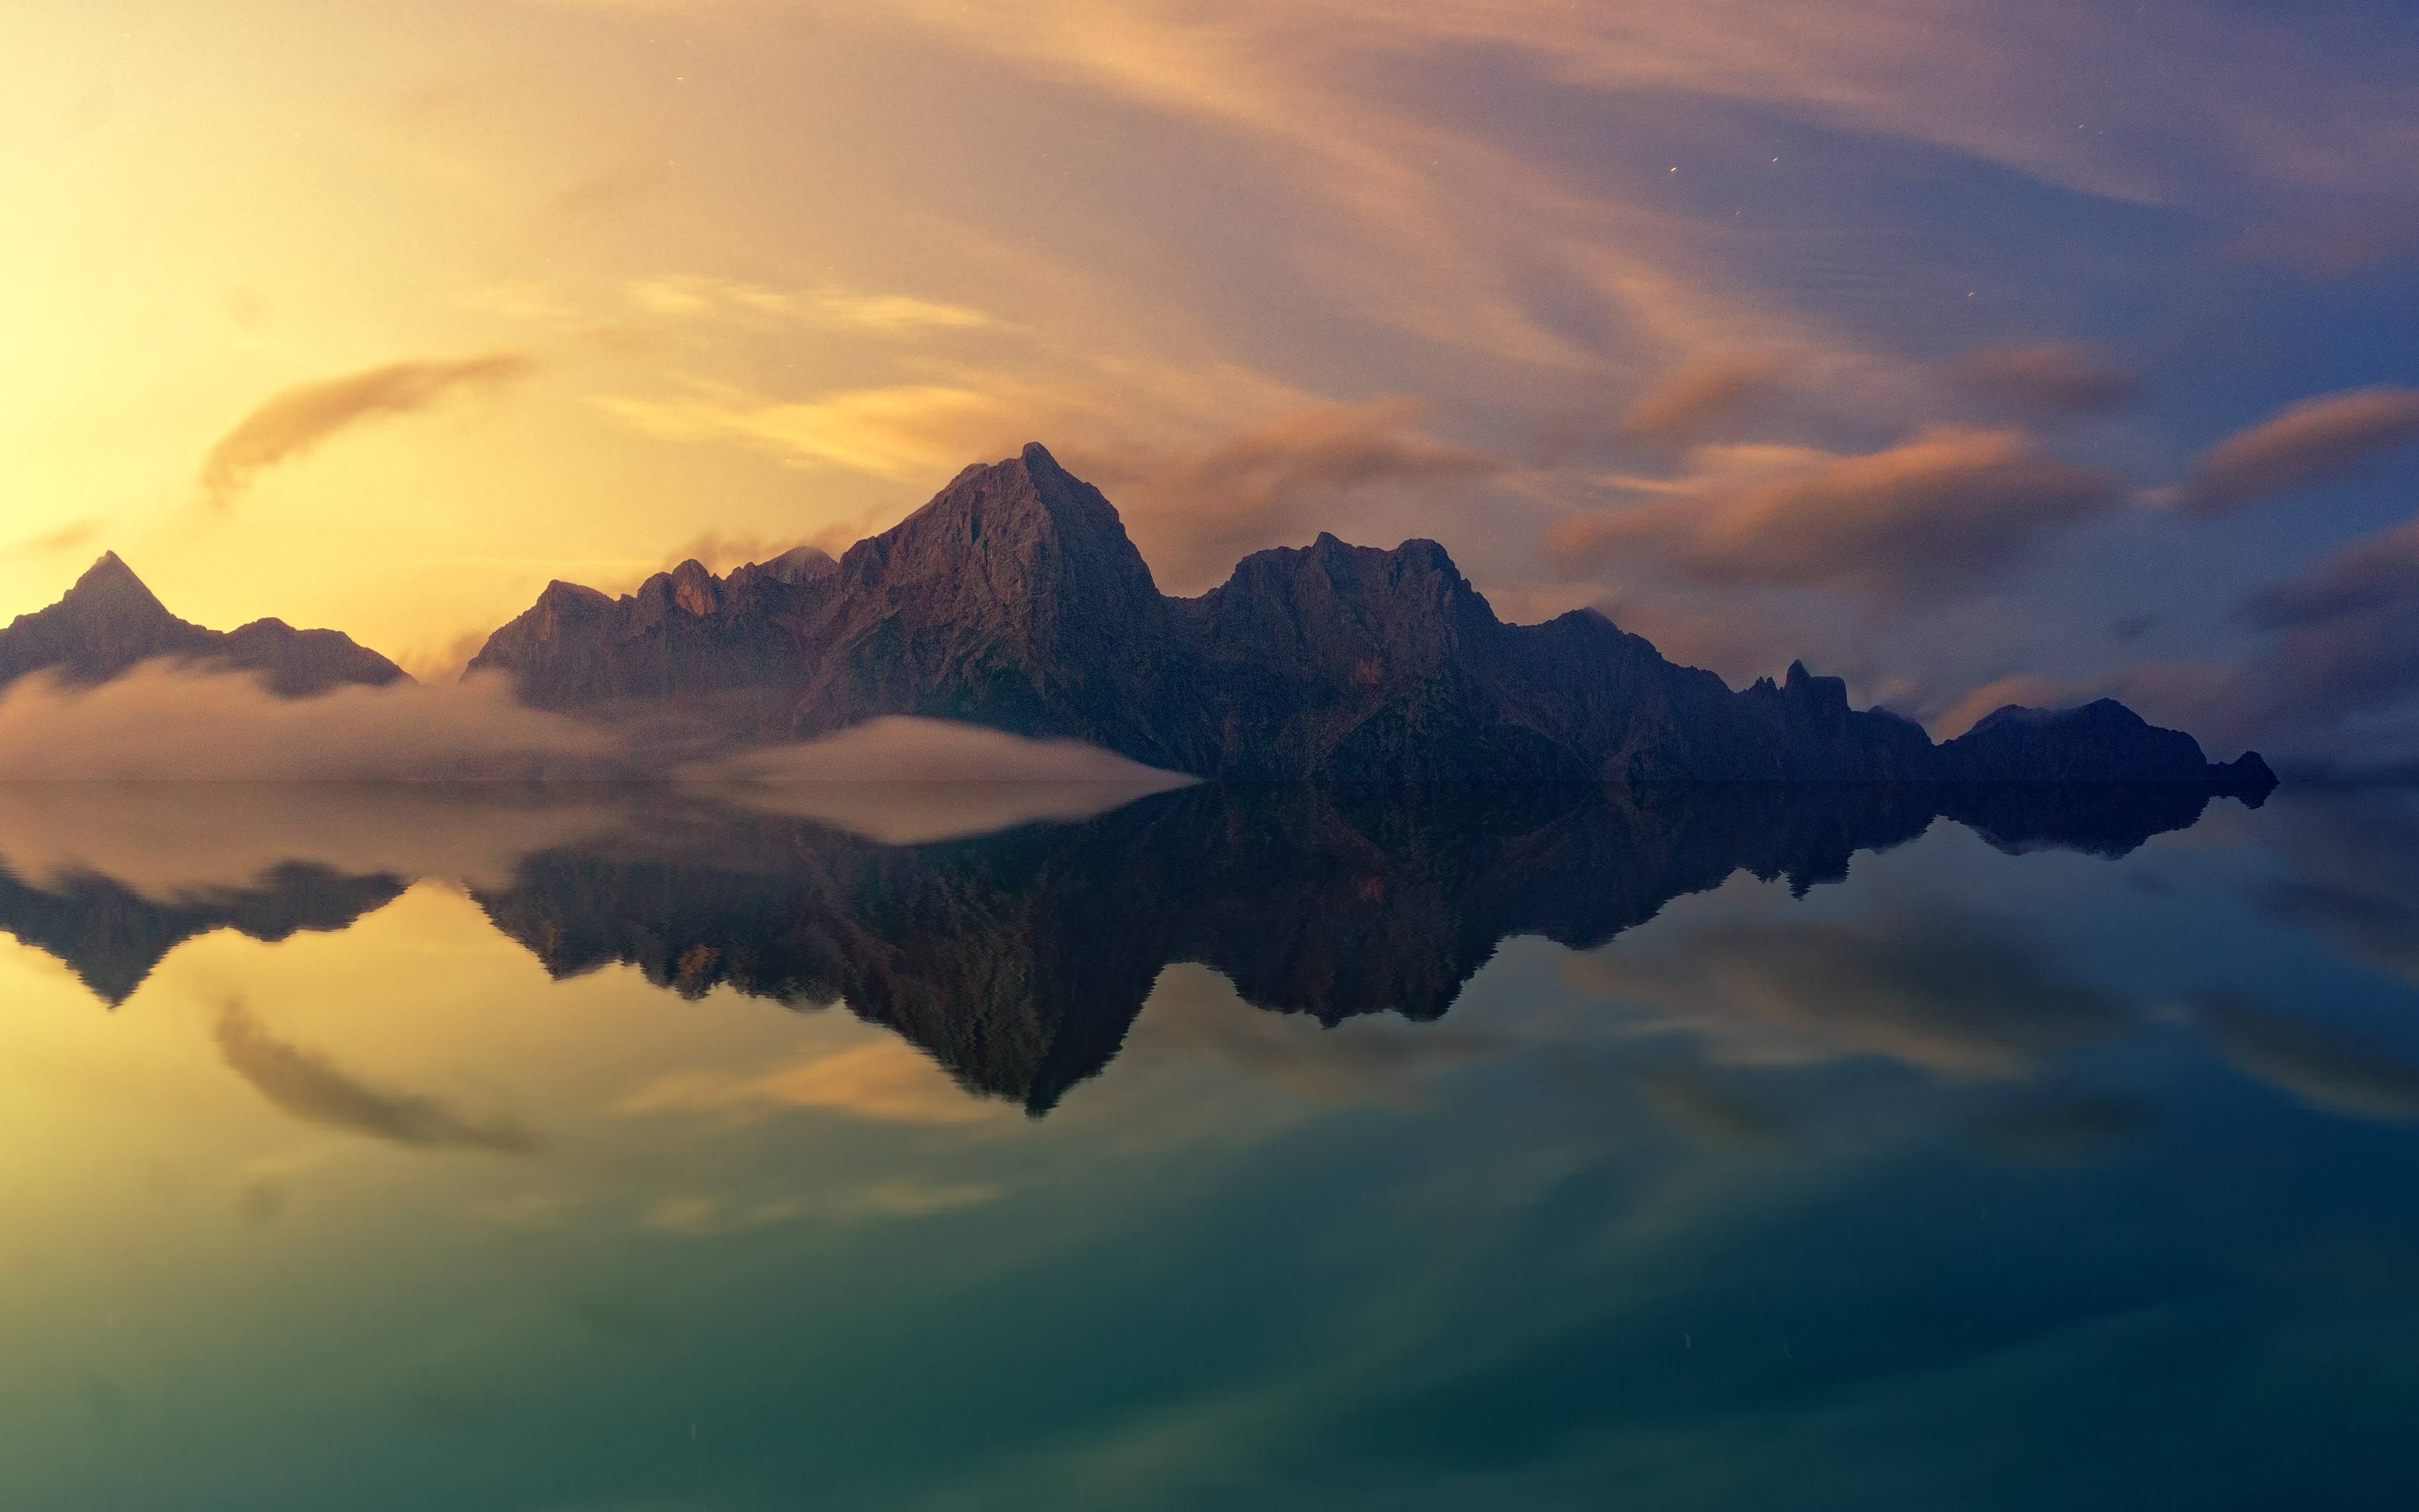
point(1974, 352)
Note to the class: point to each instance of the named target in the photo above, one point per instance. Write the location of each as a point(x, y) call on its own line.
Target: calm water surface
point(1672, 1149)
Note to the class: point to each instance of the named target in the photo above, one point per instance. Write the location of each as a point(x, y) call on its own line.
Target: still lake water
point(1710, 1148)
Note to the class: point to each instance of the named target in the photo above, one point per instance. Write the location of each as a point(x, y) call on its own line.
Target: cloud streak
point(2324, 1067)
point(908, 782)
point(2327, 692)
point(1198, 507)
point(294, 421)
point(68, 537)
point(882, 1080)
point(159, 722)
point(2305, 443)
point(315, 1090)
point(2344, 630)
point(1680, 405)
point(1205, 465)
point(831, 307)
point(157, 840)
point(2060, 376)
point(1948, 510)
point(1940, 991)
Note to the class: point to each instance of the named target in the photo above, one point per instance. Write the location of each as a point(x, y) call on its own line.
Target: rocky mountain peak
point(1803, 687)
point(1012, 531)
point(1015, 599)
point(800, 564)
point(110, 587)
point(695, 589)
point(110, 622)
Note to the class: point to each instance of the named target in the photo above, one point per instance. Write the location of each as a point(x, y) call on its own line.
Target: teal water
point(409, 1151)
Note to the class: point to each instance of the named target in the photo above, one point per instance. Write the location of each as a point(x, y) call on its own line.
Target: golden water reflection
point(481, 1155)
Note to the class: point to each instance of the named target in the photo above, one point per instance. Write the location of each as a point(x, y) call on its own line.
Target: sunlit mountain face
point(1090, 754)
point(1358, 1145)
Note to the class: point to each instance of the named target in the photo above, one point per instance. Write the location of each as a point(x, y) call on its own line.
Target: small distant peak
point(1807, 691)
point(1590, 615)
point(800, 564)
point(110, 569)
point(2010, 714)
point(1430, 554)
point(560, 591)
point(110, 583)
point(1037, 457)
point(2248, 778)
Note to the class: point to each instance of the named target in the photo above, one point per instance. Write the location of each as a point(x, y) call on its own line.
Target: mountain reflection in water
point(1714, 1147)
point(1018, 959)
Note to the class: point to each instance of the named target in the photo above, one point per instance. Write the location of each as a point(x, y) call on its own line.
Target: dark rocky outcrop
point(109, 621)
point(2103, 741)
point(1014, 599)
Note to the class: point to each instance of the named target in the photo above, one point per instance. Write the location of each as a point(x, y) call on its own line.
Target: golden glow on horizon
point(764, 272)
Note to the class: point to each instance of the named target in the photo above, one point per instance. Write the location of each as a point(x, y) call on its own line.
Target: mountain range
point(1015, 600)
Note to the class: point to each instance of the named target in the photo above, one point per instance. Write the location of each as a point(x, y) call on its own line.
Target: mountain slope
point(109, 621)
point(1015, 599)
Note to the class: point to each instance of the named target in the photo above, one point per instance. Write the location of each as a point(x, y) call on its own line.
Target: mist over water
point(918, 1144)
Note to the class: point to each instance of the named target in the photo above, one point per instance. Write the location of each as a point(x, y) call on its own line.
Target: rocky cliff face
point(1014, 599)
point(109, 621)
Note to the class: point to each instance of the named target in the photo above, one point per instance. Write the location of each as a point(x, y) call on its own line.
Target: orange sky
point(380, 317)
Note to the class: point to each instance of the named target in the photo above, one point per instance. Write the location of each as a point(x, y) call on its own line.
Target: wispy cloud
point(1205, 464)
point(1682, 405)
point(2068, 376)
point(1937, 990)
point(2305, 443)
point(2378, 572)
point(315, 1090)
point(231, 728)
point(2325, 1067)
point(156, 839)
point(294, 421)
point(883, 1080)
point(1199, 505)
point(2030, 690)
point(1943, 511)
point(2327, 690)
point(71, 536)
point(2343, 631)
point(900, 432)
point(831, 306)
point(907, 781)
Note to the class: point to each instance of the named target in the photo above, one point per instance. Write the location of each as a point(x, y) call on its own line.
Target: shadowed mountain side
point(1015, 600)
point(109, 621)
point(112, 936)
point(1019, 960)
